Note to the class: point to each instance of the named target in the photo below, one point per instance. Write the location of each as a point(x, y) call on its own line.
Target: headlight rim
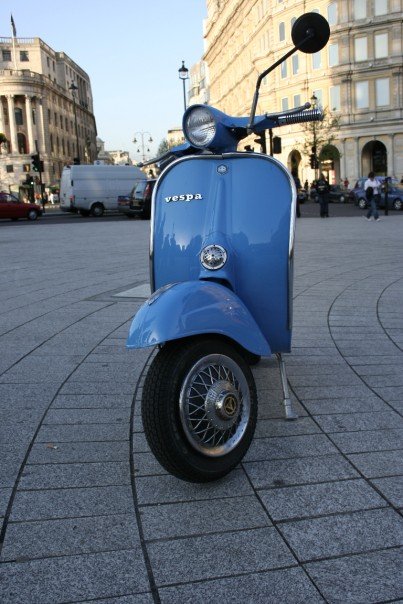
point(190, 113)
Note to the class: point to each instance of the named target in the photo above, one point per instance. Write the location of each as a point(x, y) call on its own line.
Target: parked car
point(395, 194)
point(138, 203)
point(337, 194)
point(11, 207)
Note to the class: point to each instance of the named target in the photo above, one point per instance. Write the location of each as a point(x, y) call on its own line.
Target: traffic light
point(36, 163)
point(276, 144)
point(261, 140)
point(312, 161)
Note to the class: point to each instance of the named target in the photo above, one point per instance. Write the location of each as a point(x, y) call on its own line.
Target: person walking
point(372, 188)
point(298, 187)
point(322, 191)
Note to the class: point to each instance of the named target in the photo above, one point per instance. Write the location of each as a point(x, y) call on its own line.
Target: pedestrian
point(322, 191)
point(52, 198)
point(306, 186)
point(372, 188)
point(298, 187)
point(346, 183)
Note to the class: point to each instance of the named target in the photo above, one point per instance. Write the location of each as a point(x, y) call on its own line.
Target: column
point(13, 128)
point(358, 157)
point(40, 125)
point(391, 162)
point(1, 116)
point(28, 108)
point(343, 174)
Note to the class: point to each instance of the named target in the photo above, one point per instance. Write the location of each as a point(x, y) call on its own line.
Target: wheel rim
point(362, 203)
point(97, 211)
point(214, 405)
point(397, 204)
point(32, 215)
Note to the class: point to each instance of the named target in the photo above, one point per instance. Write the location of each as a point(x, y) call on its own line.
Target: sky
point(131, 50)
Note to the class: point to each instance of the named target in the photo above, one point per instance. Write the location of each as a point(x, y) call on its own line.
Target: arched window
point(22, 143)
point(18, 116)
point(281, 31)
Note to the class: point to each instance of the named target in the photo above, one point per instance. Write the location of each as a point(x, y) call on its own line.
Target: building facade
point(46, 107)
point(357, 78)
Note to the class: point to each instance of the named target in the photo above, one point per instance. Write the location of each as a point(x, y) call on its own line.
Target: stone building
point(357, 77)
point(46, 106)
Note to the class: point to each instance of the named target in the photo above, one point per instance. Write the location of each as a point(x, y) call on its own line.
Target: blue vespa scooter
point(221, 271)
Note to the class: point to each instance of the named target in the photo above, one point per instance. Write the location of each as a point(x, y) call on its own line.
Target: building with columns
point(46, 107)
point(358, 77)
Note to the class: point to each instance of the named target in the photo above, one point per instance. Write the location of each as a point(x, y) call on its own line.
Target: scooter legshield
point(195, 307)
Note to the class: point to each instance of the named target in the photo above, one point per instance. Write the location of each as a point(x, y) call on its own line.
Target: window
point(284, 69)
point(295, 64)
point(6, 55)
point(52, 147)
point(66, 124)
point(10, 168)
point(47, 61)
point(361, 95)
point(33, 117)
point(332, 13)
point(61, 121)
point(49, 116)
point(293, 21)
point(334, 97)
point(360, 9)
point(18, 116)
point(281, 32)
point(361, 48)
point(381, 46)
point(382, 94)
point(333, 54)
point(297, 100)
point(24, 55)
point(284, 104)
point(319, 98)
point(380, 7)
point(316, 60)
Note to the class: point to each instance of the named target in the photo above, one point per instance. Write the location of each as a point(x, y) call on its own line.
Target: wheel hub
point(222, 405)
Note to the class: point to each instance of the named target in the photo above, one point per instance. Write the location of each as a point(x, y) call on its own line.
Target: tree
point(319, 136)
point(163, 147)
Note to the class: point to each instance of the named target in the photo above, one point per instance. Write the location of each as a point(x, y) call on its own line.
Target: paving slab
point(311, 513)
point(370, 578)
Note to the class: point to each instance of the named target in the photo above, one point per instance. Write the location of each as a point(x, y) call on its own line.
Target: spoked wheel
point(199, 408)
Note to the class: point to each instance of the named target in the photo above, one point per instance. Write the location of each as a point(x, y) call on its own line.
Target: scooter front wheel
point(199, 408)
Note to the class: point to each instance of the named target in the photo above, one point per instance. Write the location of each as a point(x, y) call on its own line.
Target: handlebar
point(310, 115)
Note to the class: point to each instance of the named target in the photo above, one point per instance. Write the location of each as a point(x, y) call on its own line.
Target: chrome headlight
point(200, 127)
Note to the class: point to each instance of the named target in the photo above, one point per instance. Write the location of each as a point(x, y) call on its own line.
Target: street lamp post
point(141, 133)
point(183, 75)
point(73, 89)
point(314, 101)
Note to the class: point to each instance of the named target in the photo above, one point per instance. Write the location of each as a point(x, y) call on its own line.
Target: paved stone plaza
point(311, 515)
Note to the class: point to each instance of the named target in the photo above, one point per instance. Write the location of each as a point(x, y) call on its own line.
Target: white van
point(95, 189)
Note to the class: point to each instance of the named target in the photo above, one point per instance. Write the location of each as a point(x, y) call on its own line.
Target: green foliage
point(163, 147)
point(321, 135)
point(3, 138)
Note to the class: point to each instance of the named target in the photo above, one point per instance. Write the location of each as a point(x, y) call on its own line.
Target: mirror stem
point(266, 72)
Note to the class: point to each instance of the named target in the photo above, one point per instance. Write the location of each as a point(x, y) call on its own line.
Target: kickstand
point(288, 408)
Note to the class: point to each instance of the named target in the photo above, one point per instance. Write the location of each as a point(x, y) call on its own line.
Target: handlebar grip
point(312, 115)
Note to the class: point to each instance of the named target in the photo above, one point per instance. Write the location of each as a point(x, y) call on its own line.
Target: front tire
point(97, 210)
point(397, 204)
point(199, 408)
point(362, 203)
point(32, 215)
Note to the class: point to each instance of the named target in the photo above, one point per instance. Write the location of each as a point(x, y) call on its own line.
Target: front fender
point(192, 308)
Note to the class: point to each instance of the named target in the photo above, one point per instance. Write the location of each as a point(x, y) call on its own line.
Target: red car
point(11, 207)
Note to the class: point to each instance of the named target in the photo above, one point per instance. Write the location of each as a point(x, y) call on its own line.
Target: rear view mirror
point(313, 25)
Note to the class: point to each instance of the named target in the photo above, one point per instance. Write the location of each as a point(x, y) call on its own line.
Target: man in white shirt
point(372, 188)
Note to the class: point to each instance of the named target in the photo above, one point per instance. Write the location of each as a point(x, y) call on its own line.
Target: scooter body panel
point(244, 203)
point(193, 308)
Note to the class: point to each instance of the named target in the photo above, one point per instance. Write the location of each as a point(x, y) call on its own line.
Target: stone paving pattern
point(313, 514)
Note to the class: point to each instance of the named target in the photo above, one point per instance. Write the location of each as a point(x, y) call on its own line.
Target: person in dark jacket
point(322, 191)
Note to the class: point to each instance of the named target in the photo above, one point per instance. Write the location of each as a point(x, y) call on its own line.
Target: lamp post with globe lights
point(183, 75)
point(142, 134)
